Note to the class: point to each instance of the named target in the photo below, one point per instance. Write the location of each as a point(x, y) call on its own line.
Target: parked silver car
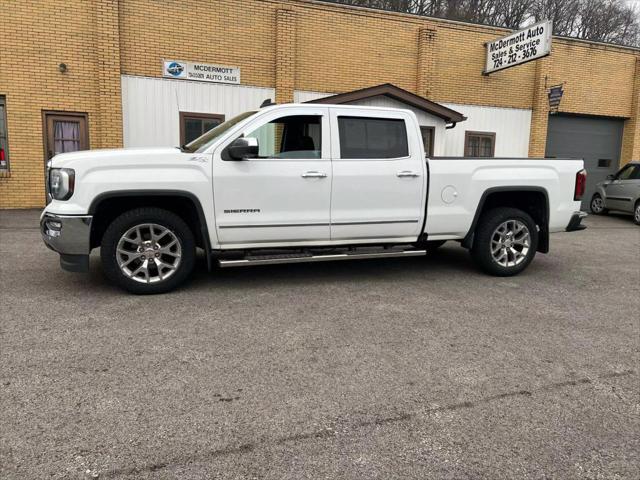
point(620, 192)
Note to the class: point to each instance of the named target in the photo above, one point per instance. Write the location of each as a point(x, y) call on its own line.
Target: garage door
point(596, 140)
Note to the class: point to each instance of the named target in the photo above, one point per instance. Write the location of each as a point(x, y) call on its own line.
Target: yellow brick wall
point(229, 32)
point(285, 55)
point(38, 35)
point(286, 44)
point(631, 137)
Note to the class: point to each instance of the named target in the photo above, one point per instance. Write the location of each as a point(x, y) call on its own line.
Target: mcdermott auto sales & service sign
point(520, 47)
point(202, 72)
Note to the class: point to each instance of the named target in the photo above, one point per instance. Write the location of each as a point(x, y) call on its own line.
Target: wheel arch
point(109, 205)
point(532, 199)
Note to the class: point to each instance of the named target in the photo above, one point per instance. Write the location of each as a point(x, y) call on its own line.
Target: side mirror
point(243, 148)
point(610, 177)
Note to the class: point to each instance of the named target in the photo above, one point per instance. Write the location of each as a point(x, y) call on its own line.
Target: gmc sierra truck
point(300, 183)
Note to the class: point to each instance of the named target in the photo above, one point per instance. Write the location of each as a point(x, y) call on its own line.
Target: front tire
point(147, 251)
point(597, 205)
point(505, 241)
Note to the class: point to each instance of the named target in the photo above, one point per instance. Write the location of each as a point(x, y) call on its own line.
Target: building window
point(479, 144)
point(193, 125)
point(427, 140)
point(4, 147)
point(366, 138)
point(604, 163)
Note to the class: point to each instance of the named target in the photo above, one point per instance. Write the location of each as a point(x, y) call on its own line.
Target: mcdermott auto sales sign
point(523, 46)
point(202, 72)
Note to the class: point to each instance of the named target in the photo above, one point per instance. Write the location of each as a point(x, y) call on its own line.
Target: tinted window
point(372, 137)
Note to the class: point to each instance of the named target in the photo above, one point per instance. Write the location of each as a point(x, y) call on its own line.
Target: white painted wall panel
point(511, 126)
point(151, 106)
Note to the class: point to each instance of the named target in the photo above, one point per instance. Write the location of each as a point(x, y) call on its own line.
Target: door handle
point(407, 173)
point(314, 174)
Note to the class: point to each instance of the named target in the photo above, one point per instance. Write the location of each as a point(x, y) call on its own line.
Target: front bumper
point(575, 222)
point(70, 236)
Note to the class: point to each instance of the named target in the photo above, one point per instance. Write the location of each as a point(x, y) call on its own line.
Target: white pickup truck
point(300, 183)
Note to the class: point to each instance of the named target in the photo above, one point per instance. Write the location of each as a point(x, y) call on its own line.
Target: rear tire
point(505, 241)
point(597, 205)
point(147, 251)
point(636, 213)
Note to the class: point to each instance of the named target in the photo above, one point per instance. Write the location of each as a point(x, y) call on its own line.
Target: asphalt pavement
point(399, 368)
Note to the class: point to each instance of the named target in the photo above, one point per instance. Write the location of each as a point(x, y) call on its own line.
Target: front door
point(283, 194)
point(378, 176)
point(65, 132)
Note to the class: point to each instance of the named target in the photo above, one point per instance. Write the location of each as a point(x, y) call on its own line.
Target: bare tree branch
point(613, 21)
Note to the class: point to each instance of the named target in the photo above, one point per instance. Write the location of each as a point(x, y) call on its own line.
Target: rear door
point(283, 195)
point(378, 175)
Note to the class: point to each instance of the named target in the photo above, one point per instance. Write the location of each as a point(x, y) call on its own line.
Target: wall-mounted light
point(62, 67)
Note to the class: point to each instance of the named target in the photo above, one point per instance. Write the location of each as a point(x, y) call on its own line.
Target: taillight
point(581, 184)
point(3, 159)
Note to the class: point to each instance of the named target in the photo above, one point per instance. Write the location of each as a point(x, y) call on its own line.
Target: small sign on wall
point(201, 72)
point(555, 97)
point(520, 47)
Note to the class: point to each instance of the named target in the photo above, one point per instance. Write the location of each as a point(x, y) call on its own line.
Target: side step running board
point(302, 258)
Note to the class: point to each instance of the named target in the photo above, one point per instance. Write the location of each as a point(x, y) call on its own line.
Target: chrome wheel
point(148, 253)
point(510, 243)
point(636, 214)
point(597, 204)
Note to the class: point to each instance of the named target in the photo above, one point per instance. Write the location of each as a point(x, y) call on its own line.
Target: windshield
point(203, 142)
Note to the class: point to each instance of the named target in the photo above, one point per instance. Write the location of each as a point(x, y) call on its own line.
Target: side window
point(636, 173)
point(363, 137)
point(296, 136)
point(626, 173)
point(479, 144)
point(4, 151)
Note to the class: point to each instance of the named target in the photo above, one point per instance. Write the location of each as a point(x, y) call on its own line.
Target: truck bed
point(458, 186)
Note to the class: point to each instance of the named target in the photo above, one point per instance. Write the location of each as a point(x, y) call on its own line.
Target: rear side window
point(362, 137)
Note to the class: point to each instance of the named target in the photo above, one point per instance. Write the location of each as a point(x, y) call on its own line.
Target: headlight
point(61, 183)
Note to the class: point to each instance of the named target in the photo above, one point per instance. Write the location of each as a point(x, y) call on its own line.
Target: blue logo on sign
point(175, 69)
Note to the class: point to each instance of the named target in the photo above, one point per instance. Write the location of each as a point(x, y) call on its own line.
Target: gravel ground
point(412, 368)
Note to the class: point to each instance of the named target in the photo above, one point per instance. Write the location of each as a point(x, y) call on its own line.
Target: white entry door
point(282, 195)
point(378, 176)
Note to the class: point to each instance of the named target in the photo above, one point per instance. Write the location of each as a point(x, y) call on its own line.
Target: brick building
point(94, 74)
